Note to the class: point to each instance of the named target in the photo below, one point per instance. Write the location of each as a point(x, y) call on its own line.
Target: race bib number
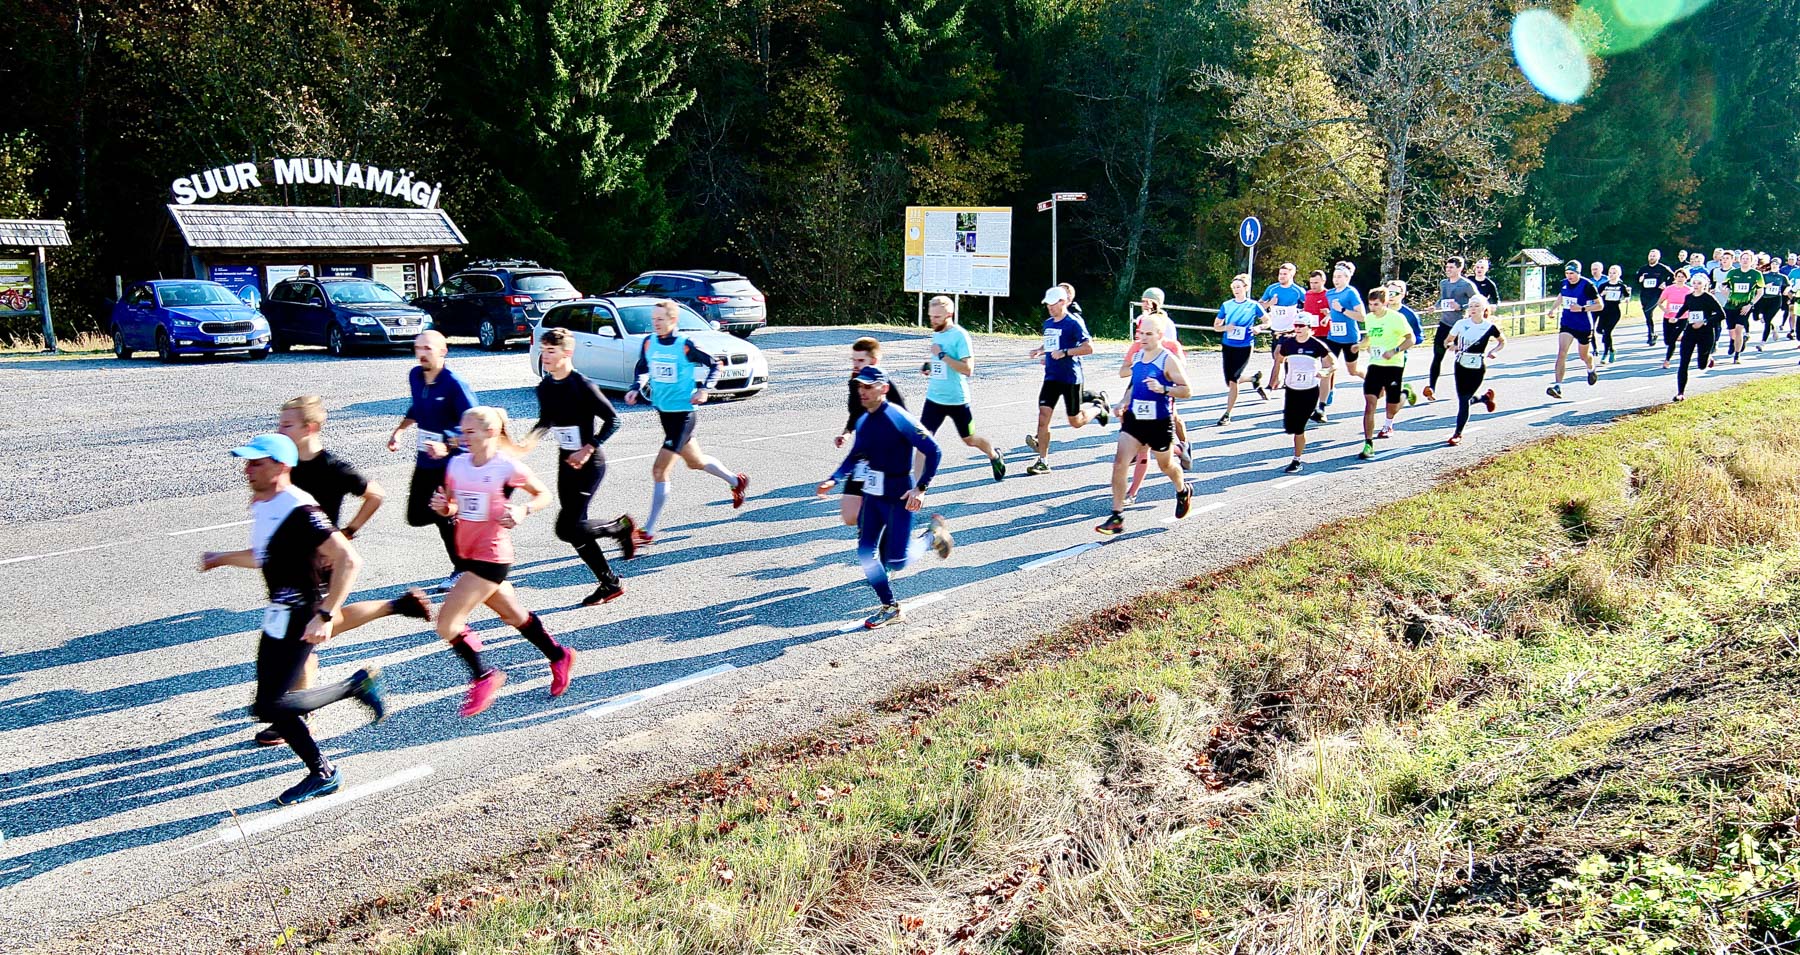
point(472, 505)
point(1302, 379)
point(1447, 305)
point(1469, 359)
point(1570, 302)
point(1238, 333)
point(1741, 288)
point(1284, 315)
point(429, 437)
point(1052, 341)
point(874, 483)
point(1613, 294)
point(1143, 408)
point(938, 369)
point(1650, 283)
point(662, 372)
point(275, 620)
point(1696, 319)
point(568, 437)
point(1339, 329)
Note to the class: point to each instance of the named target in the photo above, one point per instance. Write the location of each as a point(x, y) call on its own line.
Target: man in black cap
point(1580, 300)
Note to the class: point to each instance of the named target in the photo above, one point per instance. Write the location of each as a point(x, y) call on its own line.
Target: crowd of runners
point(471, 483)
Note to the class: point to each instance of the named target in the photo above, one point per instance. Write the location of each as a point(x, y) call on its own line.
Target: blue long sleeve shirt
point(437, 409)
point(881, 455)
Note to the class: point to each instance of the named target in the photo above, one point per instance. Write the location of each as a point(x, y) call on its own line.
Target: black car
point(343, 314)
point(496, 301)
point(726, 298)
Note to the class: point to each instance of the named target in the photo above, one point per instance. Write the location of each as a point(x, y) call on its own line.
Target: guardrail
point(1515, 316)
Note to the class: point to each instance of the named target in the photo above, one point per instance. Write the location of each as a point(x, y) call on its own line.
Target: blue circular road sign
point(1250, 230)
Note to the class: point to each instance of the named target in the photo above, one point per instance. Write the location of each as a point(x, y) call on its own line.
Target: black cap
point(1573, 265)
point(871, 375)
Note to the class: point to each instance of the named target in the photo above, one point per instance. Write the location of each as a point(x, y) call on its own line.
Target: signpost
point(1049, 205)
point(1250, 233)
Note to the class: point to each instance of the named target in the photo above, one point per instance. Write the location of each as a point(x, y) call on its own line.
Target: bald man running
point(439, 399)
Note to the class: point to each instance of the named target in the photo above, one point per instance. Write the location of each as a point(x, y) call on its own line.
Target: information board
point(16, 285)
point(240, 279)
point(401, 277)
point(955, 250)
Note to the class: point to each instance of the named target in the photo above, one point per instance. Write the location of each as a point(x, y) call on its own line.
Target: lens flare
point(1551, 56)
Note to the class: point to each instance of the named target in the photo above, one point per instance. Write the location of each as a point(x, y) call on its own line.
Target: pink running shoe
point(559, 672)
point(482, 692)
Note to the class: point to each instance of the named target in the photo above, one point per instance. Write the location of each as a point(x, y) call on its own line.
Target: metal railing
point(1516, 317)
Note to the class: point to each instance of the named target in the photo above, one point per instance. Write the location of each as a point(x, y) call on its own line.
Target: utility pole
point(1049, 205)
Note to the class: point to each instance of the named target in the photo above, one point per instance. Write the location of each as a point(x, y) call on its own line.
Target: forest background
point(783, 138)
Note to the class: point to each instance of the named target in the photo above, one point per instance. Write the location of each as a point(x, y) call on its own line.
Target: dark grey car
point(727, 298)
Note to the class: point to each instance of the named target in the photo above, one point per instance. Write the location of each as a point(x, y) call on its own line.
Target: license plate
point(406, 329)
point(229, 339)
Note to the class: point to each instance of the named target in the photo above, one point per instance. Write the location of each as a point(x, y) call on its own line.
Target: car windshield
point(544, 282)
point(361, 293)
point(179, 296)
point(637, 321)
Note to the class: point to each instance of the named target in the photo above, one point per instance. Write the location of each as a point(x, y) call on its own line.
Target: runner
point(291, 542)
point(1793, 295)
point(1146, 418)
point(1238, 320)
point(475, 494)
point(947, 393)
point(1744, 290)
point(1065, 341)
point(1386, 338)
point(881, 457)
point(1282, 302)
point(1696, 266)
point(1478, 273)
point(668, 376)
point(1298, 362)
point(1344, 333)
point(1774, 300)
point(1397, 301)
point(1596, 273)
point(1151, 313)
point(439, 399)
point(1068, 296)
point(1580, 301)
point(1651, 280)
point(1701, 316)
point(1469, 346)
point(1318, 305)
point(1671, 301)
point(568, 406)
point(863, 353)
point(1613, 295)
point(1454, 292)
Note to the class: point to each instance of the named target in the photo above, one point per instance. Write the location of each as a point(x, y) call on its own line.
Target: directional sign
point(1250, 231)
point(1045, 205)
point(1069, 196)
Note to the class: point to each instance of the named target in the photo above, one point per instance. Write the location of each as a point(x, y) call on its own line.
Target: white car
point(609, 336)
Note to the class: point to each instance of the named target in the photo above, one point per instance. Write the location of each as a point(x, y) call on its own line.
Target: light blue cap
point(277, 446)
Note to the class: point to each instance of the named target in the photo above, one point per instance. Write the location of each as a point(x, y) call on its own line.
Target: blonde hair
point(948, 303)
point(1067, 288)
point(669, 304)
point(1479, 302)
point(311, 408)
point(1243, 277)
point(496, 421)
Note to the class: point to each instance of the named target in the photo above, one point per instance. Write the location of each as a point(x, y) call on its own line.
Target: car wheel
point(119, 349)
point(744, 332)
point(278, 344)
point(165, 352)
point(334, 342)
point(490, 336)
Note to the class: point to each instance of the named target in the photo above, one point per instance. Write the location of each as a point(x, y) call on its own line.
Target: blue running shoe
point(314, 785)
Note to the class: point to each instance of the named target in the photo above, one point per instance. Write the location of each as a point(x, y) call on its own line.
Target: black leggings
point(1609, 320)
point(1671, 338)
point(1468, 385)
point(280, 666)
point(1770, 310)
point(1439, 344)
point(426, 482)
point(1694, 341)
point(575, 489)
point(1648, 301)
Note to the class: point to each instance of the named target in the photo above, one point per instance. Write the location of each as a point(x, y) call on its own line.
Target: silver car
point(609, 336)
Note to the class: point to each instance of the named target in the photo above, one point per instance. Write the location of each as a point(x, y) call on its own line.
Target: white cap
point(1054, 294)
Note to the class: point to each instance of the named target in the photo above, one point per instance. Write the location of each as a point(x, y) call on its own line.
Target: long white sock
point(658, 497)
point(716, 469)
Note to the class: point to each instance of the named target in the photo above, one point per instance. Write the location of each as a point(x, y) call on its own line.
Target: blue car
point(175, 317)
point(343, 314)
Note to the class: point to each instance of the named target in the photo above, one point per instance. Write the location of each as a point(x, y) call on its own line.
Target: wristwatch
point(324, 614)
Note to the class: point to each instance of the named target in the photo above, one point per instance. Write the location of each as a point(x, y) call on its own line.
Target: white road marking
point(791, 434)
point(663, 689)
point(1075, 551)
point(1290, 482)
point(210, 527)
point(1640, 388)
point(243, 829)
point(1202, 509)
point(59, 553)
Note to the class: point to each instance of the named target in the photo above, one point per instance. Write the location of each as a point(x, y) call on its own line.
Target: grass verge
point(1544, 707)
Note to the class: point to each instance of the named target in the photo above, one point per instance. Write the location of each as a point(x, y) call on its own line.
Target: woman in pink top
point(1674, 295)
point(476, 492)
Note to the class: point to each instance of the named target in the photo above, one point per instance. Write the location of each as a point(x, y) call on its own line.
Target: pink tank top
point(1674, 297)
point(480, 496)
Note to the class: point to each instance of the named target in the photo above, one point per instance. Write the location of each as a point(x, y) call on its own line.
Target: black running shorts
point(1299, 406)
point(677, 427)
point(933, 415)
point(1384, 378)
point(1154, 433)
point(1067, 392)
point(1237, 358)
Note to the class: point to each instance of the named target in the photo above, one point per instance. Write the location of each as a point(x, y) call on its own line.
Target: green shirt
point(1385, 332)
point(1746, 280)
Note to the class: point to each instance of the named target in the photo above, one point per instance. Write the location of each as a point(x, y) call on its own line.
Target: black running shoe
point(314, 785)
point(998, 463)
point(412, 604)
point(1102, 415)
point(609, 590)
point(1112, 526)
point(625, 532)
point(366, 687)
point(269, 736)
point(1293, 467)
point(1182, 498)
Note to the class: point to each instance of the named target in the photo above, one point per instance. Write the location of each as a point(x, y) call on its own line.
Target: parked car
point(175, 317)
point(724, 297)
point(341, 313)
point(496, 302)
point(609, 335)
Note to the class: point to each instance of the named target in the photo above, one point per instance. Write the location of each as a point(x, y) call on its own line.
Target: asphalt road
point(134, 809)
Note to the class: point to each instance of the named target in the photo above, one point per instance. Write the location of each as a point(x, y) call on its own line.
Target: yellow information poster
point(959, 250)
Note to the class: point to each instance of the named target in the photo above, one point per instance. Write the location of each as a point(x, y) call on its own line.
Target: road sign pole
point(1250, 270)
point(1053, 242)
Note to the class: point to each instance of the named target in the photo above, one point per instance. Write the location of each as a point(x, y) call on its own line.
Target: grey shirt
point(1458, 293)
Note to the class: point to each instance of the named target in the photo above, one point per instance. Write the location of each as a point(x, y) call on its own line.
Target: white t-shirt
point(266, 516)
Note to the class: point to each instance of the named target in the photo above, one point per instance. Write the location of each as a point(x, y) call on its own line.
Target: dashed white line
point(209, 527)
point(1290, 482)
point(1077, 550)
point(1634, 391)
point(243, 829)
point(631, 699)
point(775, 437)
point(59, 553)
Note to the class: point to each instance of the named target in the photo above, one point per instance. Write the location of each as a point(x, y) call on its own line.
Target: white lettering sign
point(224, 180)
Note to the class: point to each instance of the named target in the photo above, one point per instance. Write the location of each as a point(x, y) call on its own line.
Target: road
point(134, 810)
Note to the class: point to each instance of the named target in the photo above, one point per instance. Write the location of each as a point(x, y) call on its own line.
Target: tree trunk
point(1138, 218)
point(1393, 209)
